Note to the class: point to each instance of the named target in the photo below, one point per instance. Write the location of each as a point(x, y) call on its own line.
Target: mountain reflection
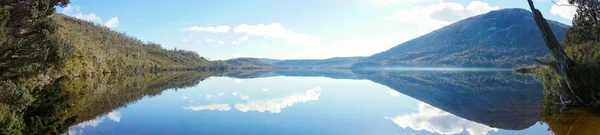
point(450, 102)
point(496, 99)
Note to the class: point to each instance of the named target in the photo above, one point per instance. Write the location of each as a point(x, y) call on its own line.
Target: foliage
point(16, 94)
point(582, 49)
point(29, 45)
point(337, 62)
point(72, 100)
point(98, 50)
point(585, 21)
point(10, 122)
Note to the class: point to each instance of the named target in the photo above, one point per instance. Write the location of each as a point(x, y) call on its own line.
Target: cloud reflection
point(394, 93)
point(438, 121)
point(212, 107)
point(275, 105)
point(114, 116)
point(78, 129)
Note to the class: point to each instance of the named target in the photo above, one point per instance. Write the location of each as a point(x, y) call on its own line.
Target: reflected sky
point(285, 105)
point(435, 120)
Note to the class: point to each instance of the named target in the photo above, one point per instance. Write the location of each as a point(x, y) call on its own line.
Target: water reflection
point(275, 105)
point(438, 121)
point(211, 107)
point(366, 103)
point(575, 122)
point(78, 129)
point(496, 99)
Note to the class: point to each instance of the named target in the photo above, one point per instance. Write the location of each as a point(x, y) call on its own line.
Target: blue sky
point(300, 29)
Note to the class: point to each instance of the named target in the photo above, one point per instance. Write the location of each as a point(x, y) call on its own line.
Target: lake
point(321, 102)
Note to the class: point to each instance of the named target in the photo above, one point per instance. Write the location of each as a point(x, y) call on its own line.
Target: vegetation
point(98, 49)
point(331, 63)
point(572, 74)
point(69, 101)
point(244, 63)
point(28, 43)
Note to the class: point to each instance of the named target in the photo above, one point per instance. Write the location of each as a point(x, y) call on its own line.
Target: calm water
point(333, 102)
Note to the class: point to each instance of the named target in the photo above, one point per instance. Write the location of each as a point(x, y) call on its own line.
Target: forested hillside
point(331, 63)
point(98, 49)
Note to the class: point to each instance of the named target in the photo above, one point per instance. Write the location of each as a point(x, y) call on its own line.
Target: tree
point(29, 44)
point(586, 25)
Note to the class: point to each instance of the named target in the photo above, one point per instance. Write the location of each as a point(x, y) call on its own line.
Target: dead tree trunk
point(562, 64)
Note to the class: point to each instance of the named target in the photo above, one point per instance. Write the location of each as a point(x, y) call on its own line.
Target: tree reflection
point(69, 101)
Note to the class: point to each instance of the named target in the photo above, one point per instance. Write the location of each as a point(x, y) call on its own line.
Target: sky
point(289, 29)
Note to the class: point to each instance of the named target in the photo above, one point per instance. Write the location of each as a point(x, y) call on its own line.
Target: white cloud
point(208, 40)
point(394, 93)
point(265, 89)
point(183, 39)
point(209, 96)
point(220, 42)
point(114, 116)
point(214, 29)
point(221, 94)
point(243, 38)
point(235, 93)
point(112, 22)
point(430, 17)
point(212, 107)
point(185, 97)
point(275, 105)
point(75, 11)
point(567, 12)
point(244, 97)
point(71, 8)
point(387, 2)
point(238, 80)
point(276, 31)
point(87, 17)
point(438, 121)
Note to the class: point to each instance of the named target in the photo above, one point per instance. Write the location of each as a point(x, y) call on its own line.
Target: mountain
point(249, 63)
point(269, 61)
point(331, 63)
point(501, 38)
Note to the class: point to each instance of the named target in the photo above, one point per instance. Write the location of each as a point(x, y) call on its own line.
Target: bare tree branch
point(567, 5)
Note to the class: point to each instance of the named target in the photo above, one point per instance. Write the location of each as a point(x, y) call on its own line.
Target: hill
point(501, 38)
point(269, 61)
point(331, 63)
point(246, 63)
point(97, 49)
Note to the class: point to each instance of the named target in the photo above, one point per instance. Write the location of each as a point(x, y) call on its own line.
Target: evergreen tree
point(585, 22)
